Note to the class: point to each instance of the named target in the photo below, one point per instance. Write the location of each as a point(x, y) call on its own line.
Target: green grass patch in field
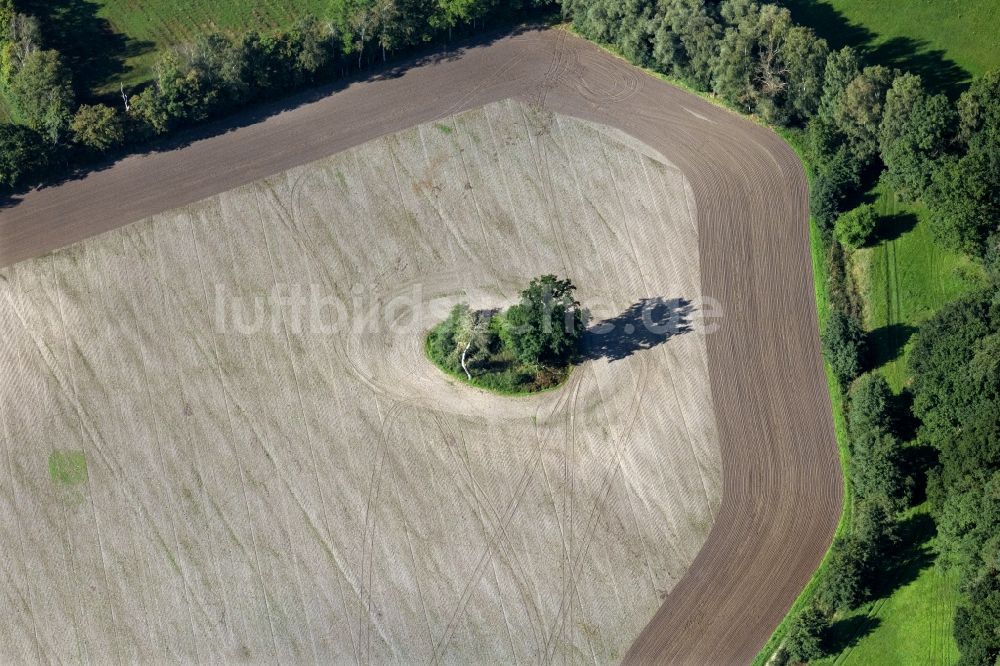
point(446, 129)
point(947, 42)
point(68, 468)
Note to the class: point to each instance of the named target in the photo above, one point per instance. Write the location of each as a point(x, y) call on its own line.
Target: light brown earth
point(781, 487)
point(314, 486)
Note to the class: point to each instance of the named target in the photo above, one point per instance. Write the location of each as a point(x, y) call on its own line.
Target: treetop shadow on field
point(90, 47)
point(259, 111)
point(939, 73)
point(848, 632)
point(643, 325)
point(891, 227)
point(886, 343)
point(913, 554)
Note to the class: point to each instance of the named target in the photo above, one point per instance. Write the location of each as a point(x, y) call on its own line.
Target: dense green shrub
point(977, 631)
point(955, 362)
point(876, 531)
point(855, 227)
point(845, 586)
point(24, 155)
point(42, 94)
point(964, 198)
point(871, 407)
point(806, 635)
point(836, 175)
point(98, 128)
point(843, 346)
point(916, 130)
point(527, 348)
point(686, 41)
point(875, 467)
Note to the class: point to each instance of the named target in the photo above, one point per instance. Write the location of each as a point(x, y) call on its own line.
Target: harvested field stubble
point(259, 488)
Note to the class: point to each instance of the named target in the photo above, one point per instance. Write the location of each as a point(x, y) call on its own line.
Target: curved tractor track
point(781, 480)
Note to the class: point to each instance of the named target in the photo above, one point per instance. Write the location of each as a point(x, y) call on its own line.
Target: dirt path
point(781, 481)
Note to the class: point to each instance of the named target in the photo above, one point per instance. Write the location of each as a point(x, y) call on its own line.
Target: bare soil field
point(253, 417)
point(265, 484)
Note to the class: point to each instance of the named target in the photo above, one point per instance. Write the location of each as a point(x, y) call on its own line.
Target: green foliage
point(42, 94)
point(916, 130)
point(870, 405)
point(834, 180)
point(875, 467)
point(528, 348)
point(24, 37)
point(877, 532)
point(442, 341)
point(219, 73)
point(6, 14)
point(843, 346)
point(964, 198)
point(858, 114)
point(98, 128)
point(686, 41)
point(956, 367)
point(546, 327)
point(842, 67)
point(768, 64)
point(844, 586)
point(856, 560)
point(977, 630)
point(855, 227)
point(956, 386)
point(24, 155)
point(876, 475)
point(979, 110)
point(969, 528)
point(806, 633)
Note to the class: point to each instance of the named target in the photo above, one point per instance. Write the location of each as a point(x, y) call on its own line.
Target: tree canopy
point(548, 323)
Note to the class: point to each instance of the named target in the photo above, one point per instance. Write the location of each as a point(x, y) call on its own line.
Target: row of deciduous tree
point(956, 368)
point(212, 76)
point(861, 121)
point(861, 118)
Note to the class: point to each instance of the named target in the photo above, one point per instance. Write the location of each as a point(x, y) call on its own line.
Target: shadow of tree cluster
point(848, 632)
point(913, 555)
point(643, 325)
point(891, 227)
point(90, 47)
point(940, 73)
point(887, 343)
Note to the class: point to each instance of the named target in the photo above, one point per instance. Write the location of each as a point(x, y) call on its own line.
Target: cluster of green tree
point(39, 93)
point(215, 75)
point(527, 348)
point(923, 146)
point(862, 120)
point(956, 395)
